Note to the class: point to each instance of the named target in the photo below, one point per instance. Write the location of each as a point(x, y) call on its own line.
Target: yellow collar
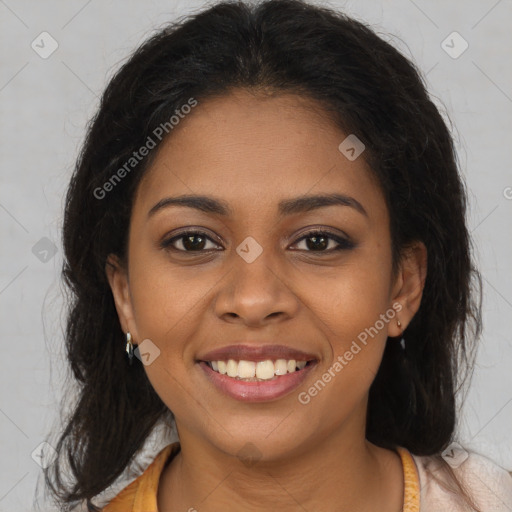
point(411, 481)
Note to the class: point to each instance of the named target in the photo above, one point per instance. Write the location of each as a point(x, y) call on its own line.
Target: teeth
point(264, 369)
point(246, 369)
point(261, 370)
point(221, 366)
point(232, 368)
point(281, 367)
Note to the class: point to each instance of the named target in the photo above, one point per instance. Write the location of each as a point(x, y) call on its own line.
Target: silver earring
point(402, 340)
point(129, 347)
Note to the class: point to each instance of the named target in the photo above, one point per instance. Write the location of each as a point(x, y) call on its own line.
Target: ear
point(408, 286)
point(117, 276)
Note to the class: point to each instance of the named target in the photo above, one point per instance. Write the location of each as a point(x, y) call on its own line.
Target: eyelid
point(167, 242)
point(343, 240)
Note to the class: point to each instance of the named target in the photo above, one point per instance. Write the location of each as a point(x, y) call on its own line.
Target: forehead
point(249, 148)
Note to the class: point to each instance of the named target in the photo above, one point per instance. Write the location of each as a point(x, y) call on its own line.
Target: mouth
point(256, 374)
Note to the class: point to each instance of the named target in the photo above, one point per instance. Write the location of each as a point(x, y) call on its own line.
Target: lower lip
point(257, 391)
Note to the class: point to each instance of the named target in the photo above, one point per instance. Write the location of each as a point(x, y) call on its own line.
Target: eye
point(322, 241)
point(190, 241)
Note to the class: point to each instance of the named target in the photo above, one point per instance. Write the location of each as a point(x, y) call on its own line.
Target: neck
point(331, 474)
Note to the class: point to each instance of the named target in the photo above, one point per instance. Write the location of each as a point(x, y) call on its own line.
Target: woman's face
point(293, 251)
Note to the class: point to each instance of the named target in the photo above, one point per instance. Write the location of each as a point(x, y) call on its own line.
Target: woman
point(267, 216)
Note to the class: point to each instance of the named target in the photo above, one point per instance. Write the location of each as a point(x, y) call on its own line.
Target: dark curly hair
point(368, 88)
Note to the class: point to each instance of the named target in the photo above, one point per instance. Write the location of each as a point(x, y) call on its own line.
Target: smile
point(255, 389)
point(256, 370)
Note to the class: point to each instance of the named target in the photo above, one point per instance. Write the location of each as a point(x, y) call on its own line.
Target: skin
point(252, 151)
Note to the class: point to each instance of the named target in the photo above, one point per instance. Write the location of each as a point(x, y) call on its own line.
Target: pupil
point(193, 242)
point(316, 242)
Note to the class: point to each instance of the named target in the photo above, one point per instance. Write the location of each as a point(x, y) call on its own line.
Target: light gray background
point(45, 103)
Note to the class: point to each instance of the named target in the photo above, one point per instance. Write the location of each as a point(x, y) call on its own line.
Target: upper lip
point(255, 353)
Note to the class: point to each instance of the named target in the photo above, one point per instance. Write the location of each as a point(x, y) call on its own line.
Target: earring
point(402, 340)
point(129, 347)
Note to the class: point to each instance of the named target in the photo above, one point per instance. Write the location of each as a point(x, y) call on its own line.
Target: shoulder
point(488, 484)
point(140, 495)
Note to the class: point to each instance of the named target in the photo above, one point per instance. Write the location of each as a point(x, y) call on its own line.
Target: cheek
point(353, 307)
point(354, 296)
point(354, 314)
point(162, 309)
point(166, 304)
point(165, 298)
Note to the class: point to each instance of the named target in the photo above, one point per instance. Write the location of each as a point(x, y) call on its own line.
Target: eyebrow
point(312, 202)
point(287, 207)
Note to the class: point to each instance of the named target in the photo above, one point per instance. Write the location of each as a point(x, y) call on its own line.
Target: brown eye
point(322, 242)
point(193, 242)
point(317, 243)
point(190, 242)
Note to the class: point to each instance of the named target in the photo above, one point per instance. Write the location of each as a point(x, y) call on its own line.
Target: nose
point(254, 294)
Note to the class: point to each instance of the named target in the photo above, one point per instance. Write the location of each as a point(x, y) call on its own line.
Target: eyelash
point(343, 243)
